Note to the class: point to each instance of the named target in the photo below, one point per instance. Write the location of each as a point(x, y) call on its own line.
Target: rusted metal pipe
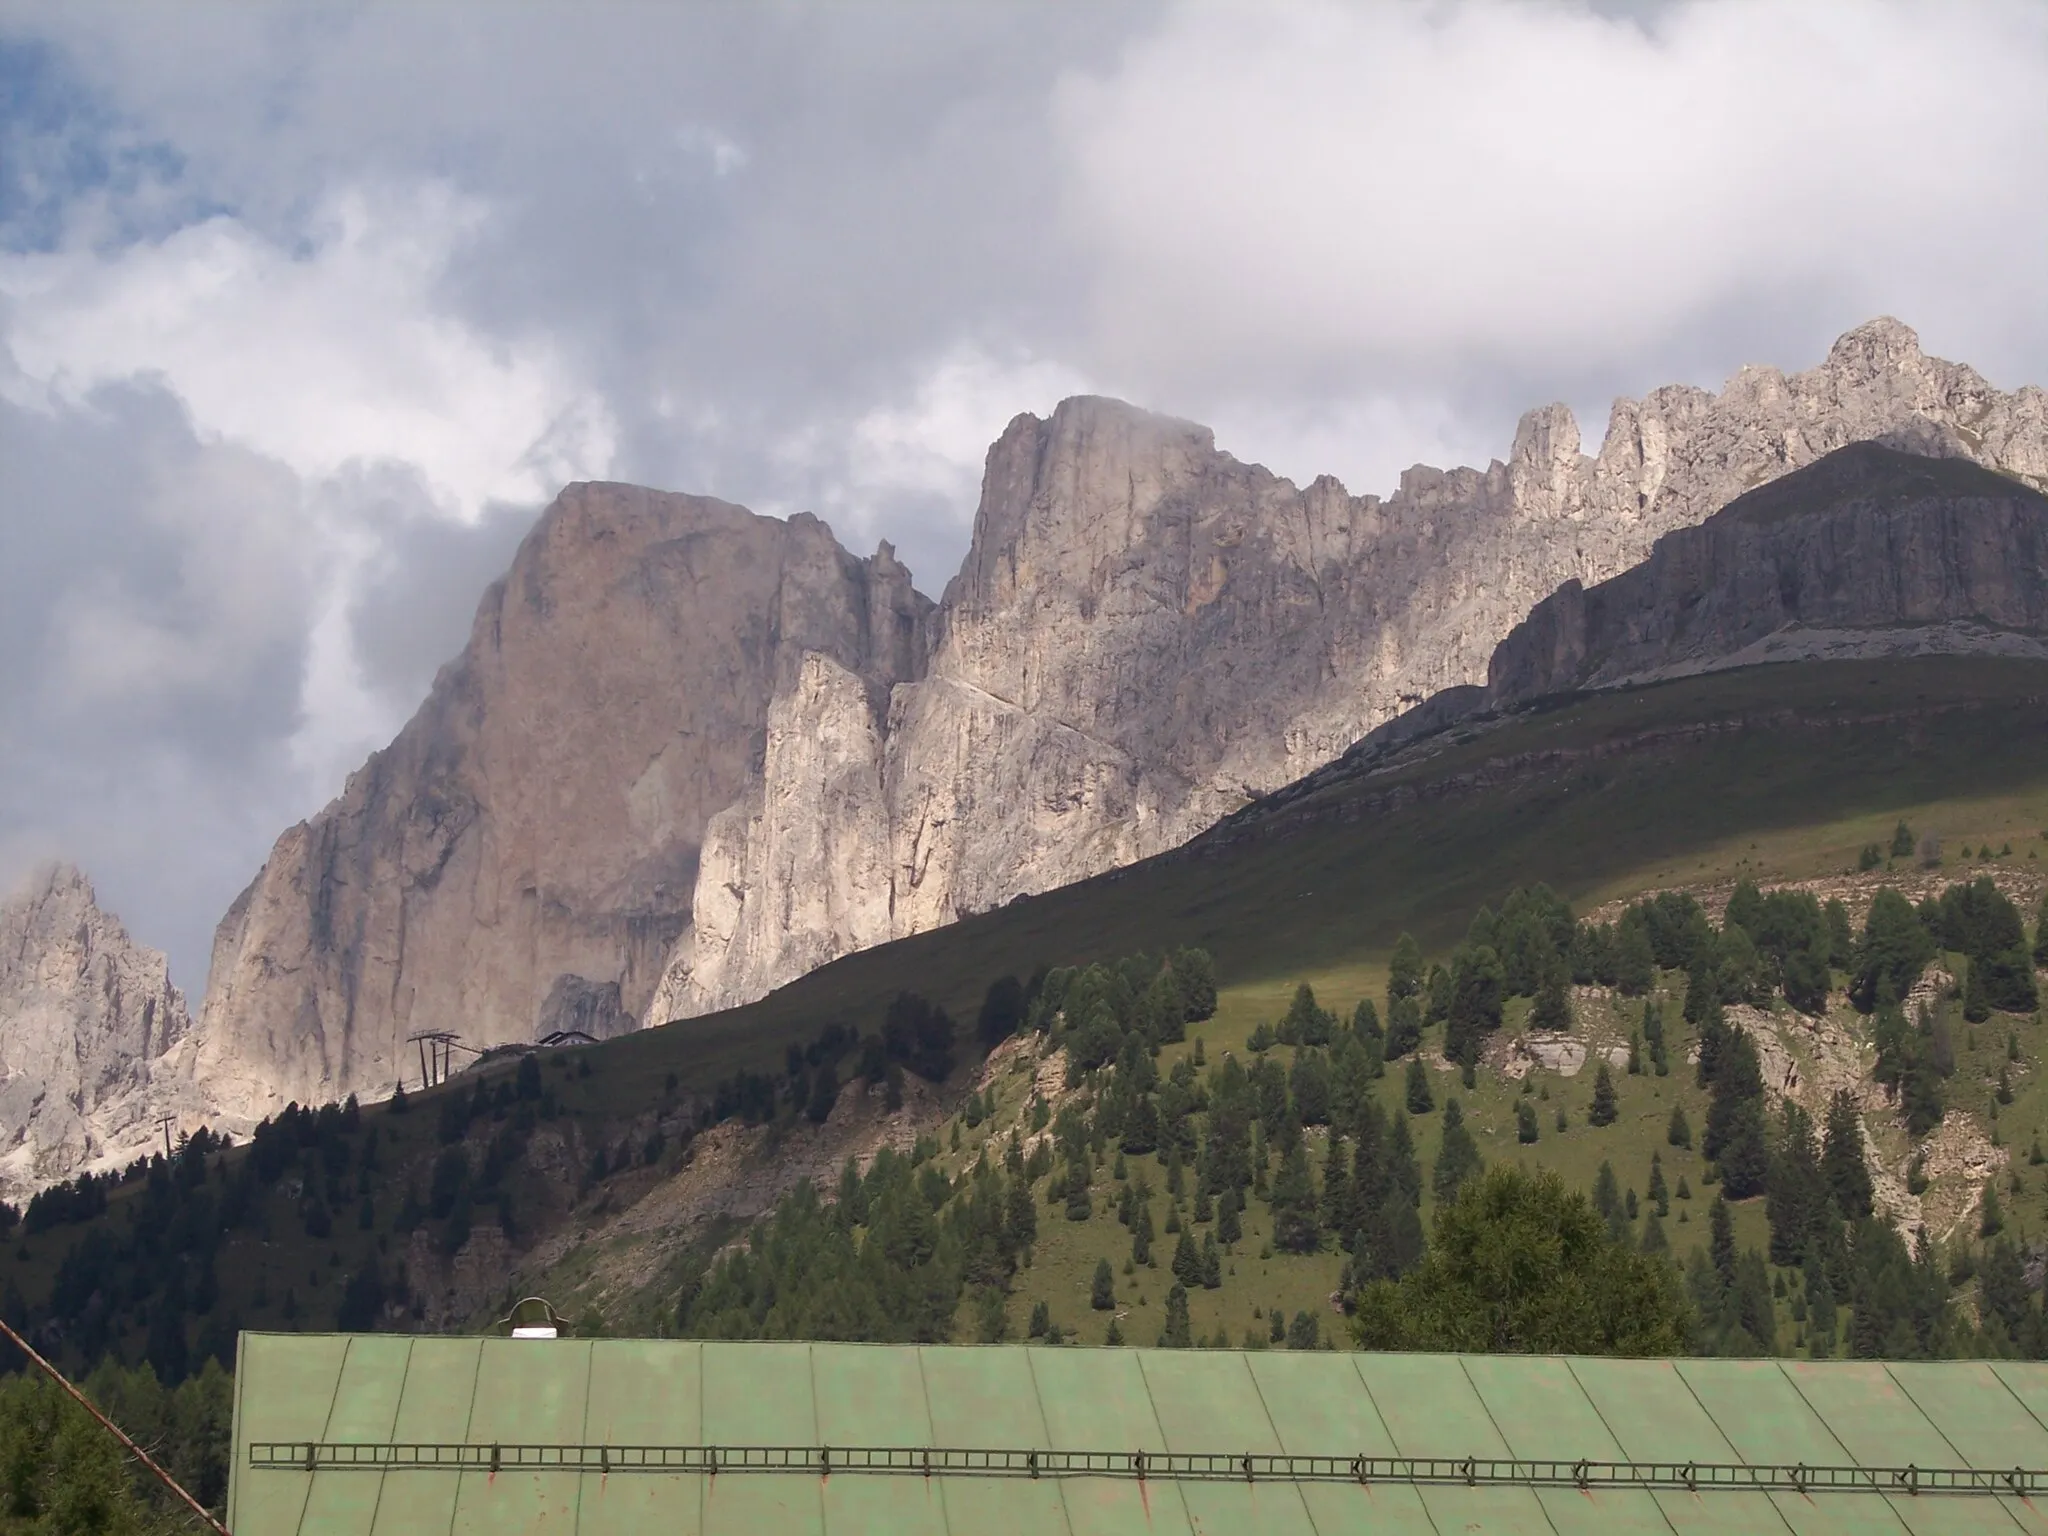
point(114, 1429)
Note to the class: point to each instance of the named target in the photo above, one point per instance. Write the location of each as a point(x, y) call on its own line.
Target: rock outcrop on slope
point(521, 858)
point(1147, 633)
point(86, 1018)
point(1869, 550)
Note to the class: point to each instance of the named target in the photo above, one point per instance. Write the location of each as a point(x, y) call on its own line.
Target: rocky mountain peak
point(86, 1016)
point(1147, 632)
point(689, 753)
point(1867, 551)
point(1875, 348)
point(533, 833)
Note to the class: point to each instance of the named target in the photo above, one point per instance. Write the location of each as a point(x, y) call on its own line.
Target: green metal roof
point(343, 1434)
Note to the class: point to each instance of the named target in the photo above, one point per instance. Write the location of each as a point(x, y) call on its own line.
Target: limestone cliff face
point(1147, 633)
point(523, 854)
point(1867, 547)
point(86, 1017)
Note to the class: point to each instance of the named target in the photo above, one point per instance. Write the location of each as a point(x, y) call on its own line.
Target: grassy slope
point(1779, 772)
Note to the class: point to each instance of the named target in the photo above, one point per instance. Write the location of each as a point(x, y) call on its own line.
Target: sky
point(307, 310)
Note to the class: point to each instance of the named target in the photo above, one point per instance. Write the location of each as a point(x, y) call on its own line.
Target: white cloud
point(910, 469)
point(322, 358)
point(1281, 195)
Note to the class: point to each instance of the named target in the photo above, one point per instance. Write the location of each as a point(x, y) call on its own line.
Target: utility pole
point(166, 1122)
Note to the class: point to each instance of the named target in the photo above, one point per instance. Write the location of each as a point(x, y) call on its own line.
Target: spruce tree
point(1457, 1157)
point(1797, 1197)
point(1553, 1006)
point(1896, 948)
point(1187, 1260)
point(1605, 1105)
point(1659, 1191)
point(1212, 1263)
point(1228, 1227)
point(1336, 1195)
point(1102, 1296)
point(1420, 1100)
point(1404, 1027)
point(1635, 962)
point(1295, 1228)
point(1176, 1334)
point(1404, 971)
point(1841, 1158)
point(1606, 1191)
point(1678, 1130)
point(1525, 1121)
point(1976, 1002)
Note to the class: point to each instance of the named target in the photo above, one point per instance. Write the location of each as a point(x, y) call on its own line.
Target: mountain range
point(690, 754)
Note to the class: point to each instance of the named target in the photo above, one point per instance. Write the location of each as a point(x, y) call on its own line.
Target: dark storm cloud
point(150, 678)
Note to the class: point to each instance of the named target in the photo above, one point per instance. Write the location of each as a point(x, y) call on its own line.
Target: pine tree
point(1420, 1100)
point(1295, 1228)
point(1102, 1297)
point(1187, 1260)
point(1606, 1191)
point(1605, 1106)
point(1841, 1158)
point(1976, 1002)
point(1176, 1334)
point(1635, 961)
point(1659, 1191)
point(1457, 1157)
point(1113, 1335)
point(1404, 971)
point(1991, 1220)
point(1553, 1007)
point(1797, 1196)
point(1212, 1262)
point(1525, 1121)
point(1678, 1131)
point(1337, 1194)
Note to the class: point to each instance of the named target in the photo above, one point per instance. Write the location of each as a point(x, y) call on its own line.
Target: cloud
point(909, 469)
point(152, 624)
point(1284, 198)
point(322, 357)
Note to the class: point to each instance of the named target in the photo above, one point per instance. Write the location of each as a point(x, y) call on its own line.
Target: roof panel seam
point(1045, 1431)
point(1714, 1423)
point(1612, 1438)
point(1507, 1445)
point(398, 1402)
point(1259, 1392)
point(1898, 1386)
